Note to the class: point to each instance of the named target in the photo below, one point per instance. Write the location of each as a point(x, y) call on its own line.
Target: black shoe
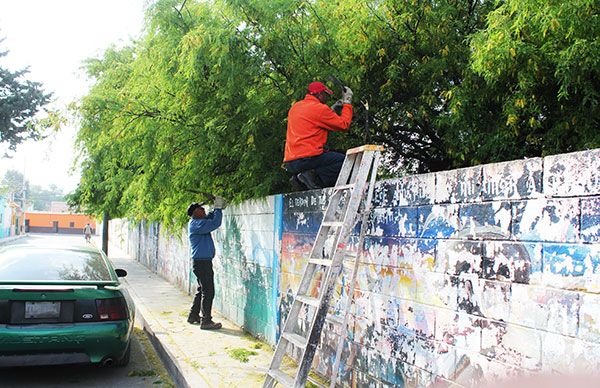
point(309, 179)
point(296, 184)
point(194, 319)
point(210, 325)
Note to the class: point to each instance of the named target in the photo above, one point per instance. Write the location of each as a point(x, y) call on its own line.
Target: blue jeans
point(327, 166)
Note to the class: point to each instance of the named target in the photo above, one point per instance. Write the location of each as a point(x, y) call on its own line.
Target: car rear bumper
point(63, 343)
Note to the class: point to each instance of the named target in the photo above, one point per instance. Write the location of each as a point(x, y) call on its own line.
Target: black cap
point(193, 206)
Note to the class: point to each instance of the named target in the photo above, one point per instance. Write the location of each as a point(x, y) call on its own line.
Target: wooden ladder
point(326, 262)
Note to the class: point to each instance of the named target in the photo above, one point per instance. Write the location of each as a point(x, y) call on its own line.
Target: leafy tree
point(541, 62)
point(15, 185)
point(41, 199)
point(20, 101)
point(199, 104)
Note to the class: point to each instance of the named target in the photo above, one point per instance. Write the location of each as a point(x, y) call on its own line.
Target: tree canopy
point(199, 103)
point(20, 101)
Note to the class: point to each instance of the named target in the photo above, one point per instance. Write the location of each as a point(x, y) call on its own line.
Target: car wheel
point(123, 361)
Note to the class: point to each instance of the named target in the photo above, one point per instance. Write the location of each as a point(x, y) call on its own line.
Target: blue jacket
point(201, 243)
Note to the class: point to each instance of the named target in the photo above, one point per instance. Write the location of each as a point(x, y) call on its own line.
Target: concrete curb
point(165, 355)
point(6, 240)
point(183, 376)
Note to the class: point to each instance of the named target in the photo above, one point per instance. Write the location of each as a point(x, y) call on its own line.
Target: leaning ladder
point(326, 260)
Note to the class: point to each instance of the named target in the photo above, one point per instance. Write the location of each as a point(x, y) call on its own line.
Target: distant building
point(59, 207)
point(5, 217)
point(54, 222)
point(11, 217)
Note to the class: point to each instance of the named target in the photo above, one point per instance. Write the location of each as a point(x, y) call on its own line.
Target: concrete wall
point(245, 266)
point(466, 275)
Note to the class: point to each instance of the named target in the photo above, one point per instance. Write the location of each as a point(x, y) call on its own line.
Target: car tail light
point(114, 309)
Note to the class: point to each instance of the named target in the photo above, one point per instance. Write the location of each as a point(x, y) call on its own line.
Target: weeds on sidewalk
point(241, 354)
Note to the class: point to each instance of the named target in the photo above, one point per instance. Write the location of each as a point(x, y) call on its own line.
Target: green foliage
point(41, 199)
point(199, 104)
point(541, 62)
point(20, 101)
point(241, 354)
point(14, 184)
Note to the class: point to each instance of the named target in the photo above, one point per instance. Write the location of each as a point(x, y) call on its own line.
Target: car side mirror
point(121, 272)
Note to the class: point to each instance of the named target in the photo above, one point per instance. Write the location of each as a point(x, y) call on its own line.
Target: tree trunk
point(105, 220)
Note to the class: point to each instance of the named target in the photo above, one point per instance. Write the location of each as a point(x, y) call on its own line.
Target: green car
point(62, 305)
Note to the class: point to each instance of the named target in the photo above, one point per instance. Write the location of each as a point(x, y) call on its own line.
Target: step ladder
point(325, 263)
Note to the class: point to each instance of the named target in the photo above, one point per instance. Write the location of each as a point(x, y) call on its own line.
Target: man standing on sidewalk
point(203, 251)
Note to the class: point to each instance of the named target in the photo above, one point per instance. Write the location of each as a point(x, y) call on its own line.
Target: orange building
point(47, 222)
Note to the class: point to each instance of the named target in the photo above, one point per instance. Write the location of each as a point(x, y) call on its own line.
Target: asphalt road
point(144, 370)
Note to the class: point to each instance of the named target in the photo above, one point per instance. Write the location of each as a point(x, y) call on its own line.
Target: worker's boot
point(194, 318)
point(210, 325)
point(310, 179)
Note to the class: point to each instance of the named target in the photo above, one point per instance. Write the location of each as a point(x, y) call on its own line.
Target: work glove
point(219, 203)
point(347, 95)
point(337, 106)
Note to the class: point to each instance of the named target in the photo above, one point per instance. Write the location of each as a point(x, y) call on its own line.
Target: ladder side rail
point(363, 230)
point(359, 162)
point(331, 277)
point(322, 234)
point(353, 203)
point(349, 162)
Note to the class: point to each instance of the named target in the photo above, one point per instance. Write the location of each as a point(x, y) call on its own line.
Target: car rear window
point(33, 264)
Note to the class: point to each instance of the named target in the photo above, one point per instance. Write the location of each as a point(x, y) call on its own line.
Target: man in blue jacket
point(203, 250)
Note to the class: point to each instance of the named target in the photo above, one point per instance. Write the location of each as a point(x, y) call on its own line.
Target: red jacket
point(309, 120)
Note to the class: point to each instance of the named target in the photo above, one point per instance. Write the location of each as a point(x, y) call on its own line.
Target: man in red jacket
point(309, 122)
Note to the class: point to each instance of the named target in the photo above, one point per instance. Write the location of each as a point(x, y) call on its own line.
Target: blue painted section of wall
point(278, 233)
point(590, 220)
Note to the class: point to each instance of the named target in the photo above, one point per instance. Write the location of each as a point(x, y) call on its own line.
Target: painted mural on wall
point(246, 264)
point(466, 276)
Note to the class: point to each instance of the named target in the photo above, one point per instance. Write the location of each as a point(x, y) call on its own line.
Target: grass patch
point(240, 354)
point(141, 373)
point(163, 377)
point(166, 312)
point(257, 345)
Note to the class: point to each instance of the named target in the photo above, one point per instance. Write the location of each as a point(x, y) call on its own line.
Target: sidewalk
point(195, 358)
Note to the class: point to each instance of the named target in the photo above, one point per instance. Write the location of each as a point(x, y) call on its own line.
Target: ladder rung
point(345, 187)
point(322, 262)
point(308, 300)
point(296, 339)
point(366, 147)
point(350, 253)
point(281, 378)
point(316, 382)
point(336, 224)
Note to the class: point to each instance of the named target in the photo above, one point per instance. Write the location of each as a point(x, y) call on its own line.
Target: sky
point(53, 38)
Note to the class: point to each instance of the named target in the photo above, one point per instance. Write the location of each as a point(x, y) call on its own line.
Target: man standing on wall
point(203, 251)
point(309, 122)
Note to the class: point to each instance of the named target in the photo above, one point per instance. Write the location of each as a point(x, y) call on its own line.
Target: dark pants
point(327, 166)
point(206, 289)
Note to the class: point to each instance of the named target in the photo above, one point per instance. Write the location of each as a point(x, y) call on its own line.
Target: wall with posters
point(465, 276)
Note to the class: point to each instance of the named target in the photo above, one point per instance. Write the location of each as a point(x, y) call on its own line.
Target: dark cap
point(193, 206)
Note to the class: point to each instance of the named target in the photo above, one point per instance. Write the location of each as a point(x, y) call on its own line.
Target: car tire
point(124, 361)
